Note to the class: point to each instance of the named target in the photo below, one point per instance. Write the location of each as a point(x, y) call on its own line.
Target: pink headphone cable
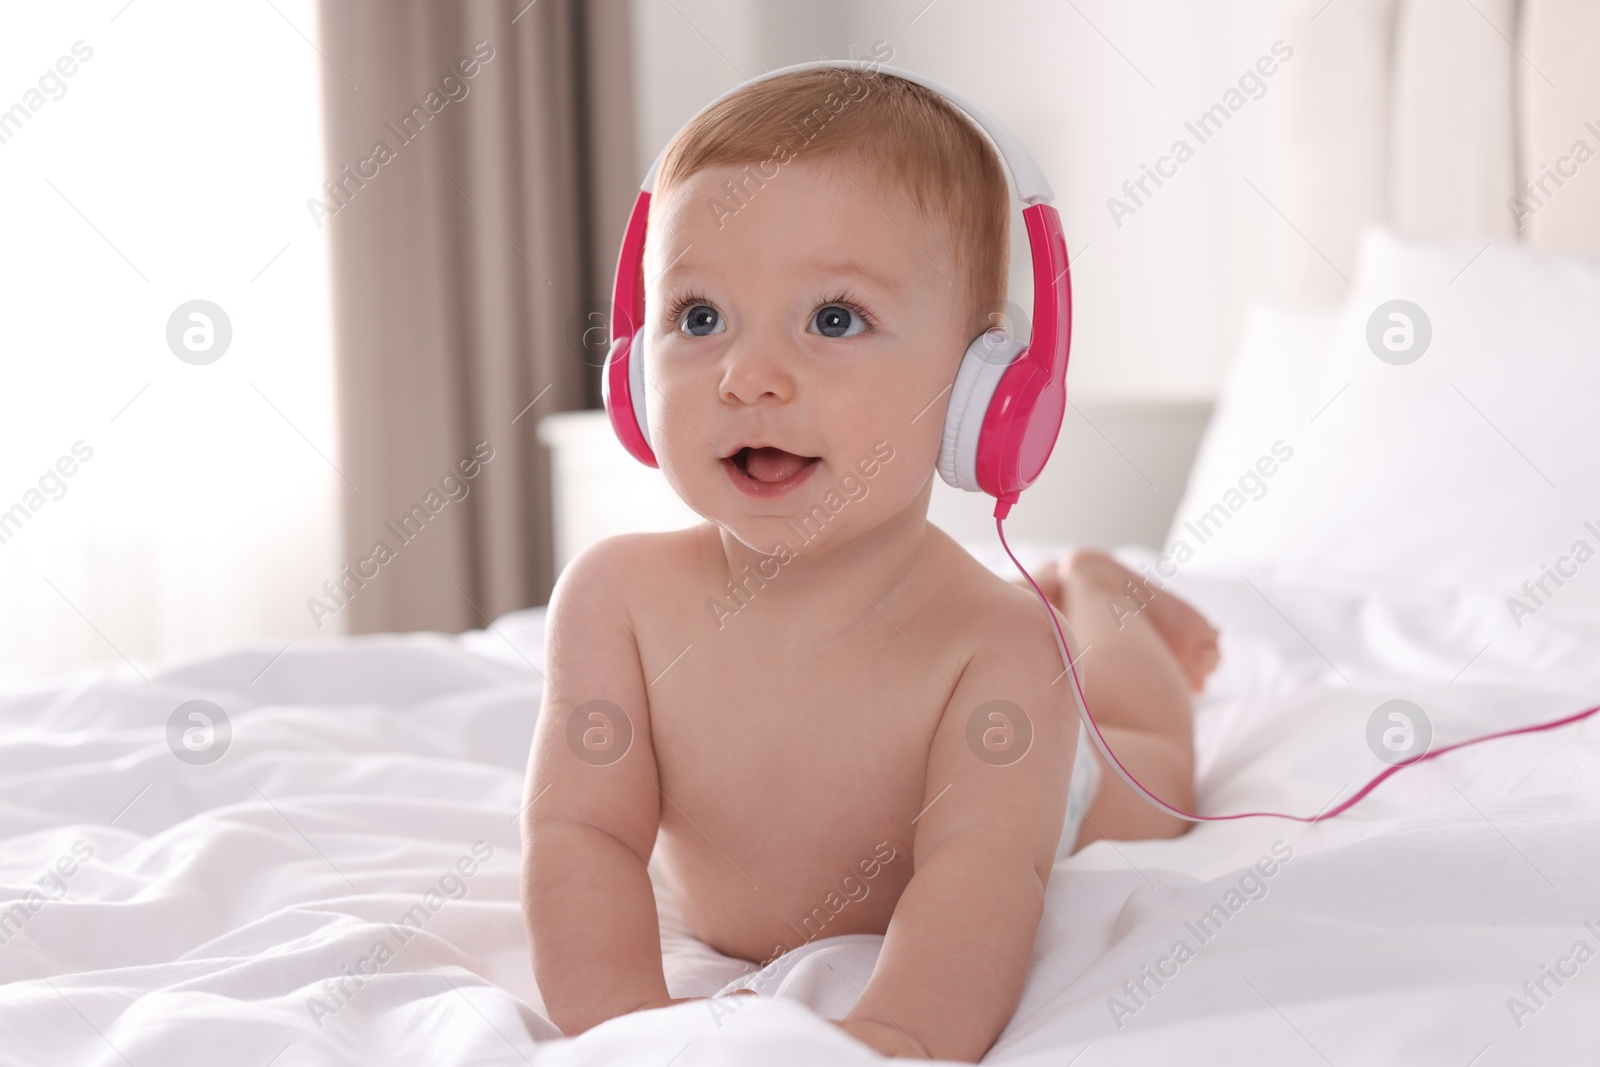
point(1000, 511)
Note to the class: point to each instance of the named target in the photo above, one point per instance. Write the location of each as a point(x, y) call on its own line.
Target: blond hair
point(906, 137)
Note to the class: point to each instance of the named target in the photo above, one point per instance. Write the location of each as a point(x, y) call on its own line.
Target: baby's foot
point(1191, 638)
point(1048, 579)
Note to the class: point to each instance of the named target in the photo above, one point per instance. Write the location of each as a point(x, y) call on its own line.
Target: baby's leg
point(1138, 667)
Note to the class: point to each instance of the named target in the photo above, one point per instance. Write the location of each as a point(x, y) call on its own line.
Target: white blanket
point(232, 912)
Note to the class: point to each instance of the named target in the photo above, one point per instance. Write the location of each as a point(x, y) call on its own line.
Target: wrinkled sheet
point(232, 912)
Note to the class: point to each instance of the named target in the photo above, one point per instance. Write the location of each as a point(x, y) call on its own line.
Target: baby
point(815, 688)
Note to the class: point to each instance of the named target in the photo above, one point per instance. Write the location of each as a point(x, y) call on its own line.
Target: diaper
point(1085, 782)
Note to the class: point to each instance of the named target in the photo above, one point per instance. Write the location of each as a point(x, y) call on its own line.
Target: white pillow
point(1466, 460)
point(1266, 397)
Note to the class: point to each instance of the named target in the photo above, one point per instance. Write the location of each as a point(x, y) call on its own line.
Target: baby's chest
point(827, 736)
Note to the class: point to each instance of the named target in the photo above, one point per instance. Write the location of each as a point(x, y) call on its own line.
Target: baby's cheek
point(681, 450)
point(894, 469)
point(693, 476)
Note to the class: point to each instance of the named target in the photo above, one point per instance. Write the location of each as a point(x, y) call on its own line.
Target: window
point(153, 154)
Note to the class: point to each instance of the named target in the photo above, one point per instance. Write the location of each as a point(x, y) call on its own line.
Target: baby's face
point(820, 321)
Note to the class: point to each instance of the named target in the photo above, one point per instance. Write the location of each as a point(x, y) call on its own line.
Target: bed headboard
point(1428, 116)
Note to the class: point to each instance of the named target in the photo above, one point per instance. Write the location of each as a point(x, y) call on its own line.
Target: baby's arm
point(590, 823)
point(958, 948)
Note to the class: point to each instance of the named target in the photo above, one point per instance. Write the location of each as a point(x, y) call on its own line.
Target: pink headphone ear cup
point(982, 367)
point(622, 382)
point(636, 387)
point(622, 391)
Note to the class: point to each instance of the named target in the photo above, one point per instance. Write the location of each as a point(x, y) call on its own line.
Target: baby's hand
point(880, 1037)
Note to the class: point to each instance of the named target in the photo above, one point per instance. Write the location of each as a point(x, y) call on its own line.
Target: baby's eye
point(702, 319)
point(836, 320)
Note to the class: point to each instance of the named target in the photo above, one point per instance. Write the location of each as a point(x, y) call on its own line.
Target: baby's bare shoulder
point(632, 555)
point(994, 618)
point(631, 562)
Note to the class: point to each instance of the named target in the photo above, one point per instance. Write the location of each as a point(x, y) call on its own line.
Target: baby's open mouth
point(768, 464)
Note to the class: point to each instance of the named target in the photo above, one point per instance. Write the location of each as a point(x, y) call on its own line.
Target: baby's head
point(821, 249)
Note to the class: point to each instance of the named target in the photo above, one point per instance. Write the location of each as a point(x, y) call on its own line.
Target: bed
point(222, 909)
point(309, 855)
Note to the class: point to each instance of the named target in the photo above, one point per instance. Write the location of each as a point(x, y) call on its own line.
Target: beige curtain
point(480, 164)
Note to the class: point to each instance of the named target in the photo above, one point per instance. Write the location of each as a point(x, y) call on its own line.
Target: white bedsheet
point(218, 901)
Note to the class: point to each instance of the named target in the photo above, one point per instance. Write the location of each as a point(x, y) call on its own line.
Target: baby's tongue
point(772, 464)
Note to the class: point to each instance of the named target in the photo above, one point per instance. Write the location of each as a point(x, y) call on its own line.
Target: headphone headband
point(1032, 187)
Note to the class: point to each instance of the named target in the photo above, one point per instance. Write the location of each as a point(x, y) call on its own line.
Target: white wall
point(1095, 88)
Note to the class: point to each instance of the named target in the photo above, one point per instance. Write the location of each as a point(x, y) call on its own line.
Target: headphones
point(1009, 397)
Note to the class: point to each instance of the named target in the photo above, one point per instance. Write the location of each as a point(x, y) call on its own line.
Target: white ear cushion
point(636, 385)
point(981, 369)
